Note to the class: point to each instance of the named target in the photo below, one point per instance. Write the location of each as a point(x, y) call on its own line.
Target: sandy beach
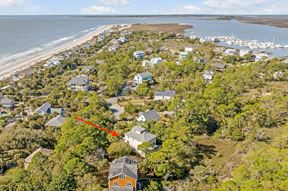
point(25, 62)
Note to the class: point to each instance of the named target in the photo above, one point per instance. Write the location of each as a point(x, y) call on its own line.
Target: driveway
point(115, 107)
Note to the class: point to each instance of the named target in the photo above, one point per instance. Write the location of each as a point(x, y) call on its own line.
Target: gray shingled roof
point(81, 80)
point(43, 108)
point(140, 134)
point(167, 93)
point(125, 166)
point(57, 121)
point(151, 115)
point(219, 65)
point(121, 188)
point(6, 101)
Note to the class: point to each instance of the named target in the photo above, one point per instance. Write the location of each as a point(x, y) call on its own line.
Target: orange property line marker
point(113, 133)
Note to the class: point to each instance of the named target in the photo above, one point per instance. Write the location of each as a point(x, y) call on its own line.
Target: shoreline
point(28, 61)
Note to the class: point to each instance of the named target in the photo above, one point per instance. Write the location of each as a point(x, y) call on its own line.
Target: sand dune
point(27, 61)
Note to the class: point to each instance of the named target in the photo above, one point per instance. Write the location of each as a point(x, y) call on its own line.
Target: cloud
point(115, 2)
point(187, 9)
point(191, 9)
point(97, 10)
point(232, 4)
point(9, 3)
point(234, 7)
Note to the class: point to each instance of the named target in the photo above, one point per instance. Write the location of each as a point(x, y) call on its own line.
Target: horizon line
point(142, 15)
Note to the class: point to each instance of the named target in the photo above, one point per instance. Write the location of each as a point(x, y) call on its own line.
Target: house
point(122, 40)
point(260, 56)
point(46, 108)
point(285, 61)
point(148, 116)
point(155, 61)
point(278, 75)
point(51, 63)
point(113, 48)
point(219, 50)
point(139, 54)
point(183, 55)
point(145, 63)
point(164, 95)
point(208, 75)
point(79, 83)
point(189, 49)
point(89, 69)
point(202, 60)
point(6, 102)
point(143, 77)
point(149, 50)
point(43, 151)
point(231, 52)
point(244, 52)
point(123, 175)
point(219, 67)
point(138, 136)
point(57, 121)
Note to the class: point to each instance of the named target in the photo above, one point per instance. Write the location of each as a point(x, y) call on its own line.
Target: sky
point(124, 7)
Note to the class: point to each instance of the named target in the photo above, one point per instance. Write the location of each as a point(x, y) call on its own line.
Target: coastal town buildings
point(148, 116)
point(244, 52)
point(7, 102)
point(57, 121)
point(122, 40)
point(138, 55)
point(79, 83)
point(113, 48)
point(123, 175)
point(189, 49)
point(51, 63)
point(156, 61)
point(164, 95)
point(231, 52)
point(208, 75)
point(183, 55)
point(138, 136)
point(143, 77)
point(46, 108)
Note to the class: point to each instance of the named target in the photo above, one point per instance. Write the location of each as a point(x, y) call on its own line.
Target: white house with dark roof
point(57, 121)
point(164, 95)
point(79, 83)
point(46, 108)
point(208, 75)
point(139, 54)
point(143, 77)
point(156, 61)
point(122, 40)
point(138, 136)
point(148, 116)
point(7, 102)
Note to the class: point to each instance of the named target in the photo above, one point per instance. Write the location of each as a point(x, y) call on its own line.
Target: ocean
point(26, 35)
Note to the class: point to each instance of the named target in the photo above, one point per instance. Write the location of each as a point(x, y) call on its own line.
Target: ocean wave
point(4, 60)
